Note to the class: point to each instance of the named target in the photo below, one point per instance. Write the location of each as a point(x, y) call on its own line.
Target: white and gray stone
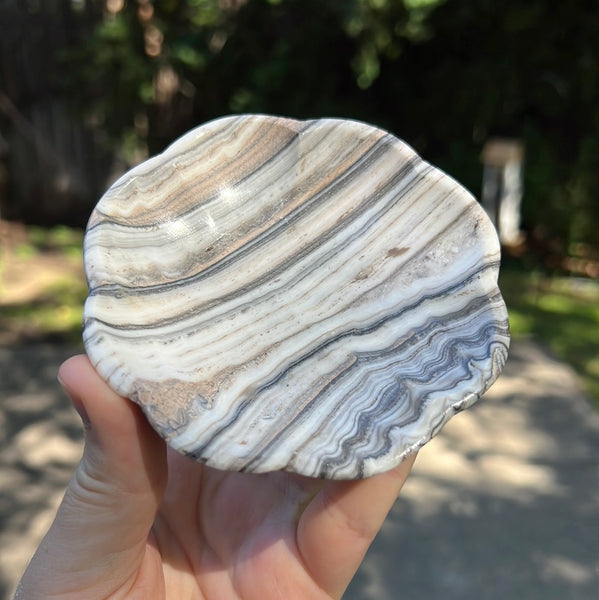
point(301, 295)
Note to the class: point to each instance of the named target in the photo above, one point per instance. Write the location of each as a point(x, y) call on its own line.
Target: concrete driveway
point(503, 504)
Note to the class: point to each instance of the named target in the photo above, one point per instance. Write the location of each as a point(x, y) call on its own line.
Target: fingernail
point(77, 404)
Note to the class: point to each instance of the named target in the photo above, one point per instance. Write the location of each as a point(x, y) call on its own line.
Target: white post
point(502, 186)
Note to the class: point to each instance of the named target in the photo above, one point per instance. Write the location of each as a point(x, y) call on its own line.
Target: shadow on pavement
point(41, 440)
point(504, 503)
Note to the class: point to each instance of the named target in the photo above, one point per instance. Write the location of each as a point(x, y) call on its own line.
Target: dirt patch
point(27, 279)
point(34, 279)
point(26, 276)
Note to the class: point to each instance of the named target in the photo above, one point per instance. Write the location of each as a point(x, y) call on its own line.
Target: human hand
point(140, 521)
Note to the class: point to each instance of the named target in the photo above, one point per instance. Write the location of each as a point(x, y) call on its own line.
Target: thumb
point(98, 539)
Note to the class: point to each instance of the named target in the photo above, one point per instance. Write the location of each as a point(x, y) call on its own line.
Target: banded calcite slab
point(309, 296)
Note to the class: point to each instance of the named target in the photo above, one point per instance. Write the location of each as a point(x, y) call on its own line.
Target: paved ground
point(504, 504)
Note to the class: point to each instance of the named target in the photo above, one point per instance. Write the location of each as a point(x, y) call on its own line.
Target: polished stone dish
point(301, 295)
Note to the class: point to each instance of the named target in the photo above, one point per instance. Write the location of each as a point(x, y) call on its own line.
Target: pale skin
point(139, 521)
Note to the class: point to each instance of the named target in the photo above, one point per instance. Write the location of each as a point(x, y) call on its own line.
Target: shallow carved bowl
point(301, 295)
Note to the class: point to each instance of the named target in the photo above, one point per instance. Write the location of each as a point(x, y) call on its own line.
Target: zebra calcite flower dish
point(301, 295)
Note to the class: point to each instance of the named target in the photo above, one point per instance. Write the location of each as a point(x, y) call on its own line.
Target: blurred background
point(89, 88)
point(504, 96)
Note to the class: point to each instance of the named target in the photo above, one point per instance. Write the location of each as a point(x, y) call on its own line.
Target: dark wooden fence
point(52, 167)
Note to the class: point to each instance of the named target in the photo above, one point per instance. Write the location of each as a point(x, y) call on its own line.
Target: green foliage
point(62, 239)
point(583, 189)
point(59, 238)
point(443, 74)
